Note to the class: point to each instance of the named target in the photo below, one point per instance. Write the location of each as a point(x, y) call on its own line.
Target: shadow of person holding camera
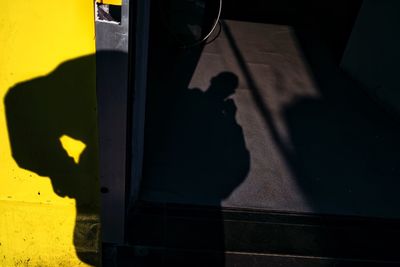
point(44, 115)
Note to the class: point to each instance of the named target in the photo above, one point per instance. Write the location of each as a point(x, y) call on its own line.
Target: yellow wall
point(110, 2)
point(36, 224)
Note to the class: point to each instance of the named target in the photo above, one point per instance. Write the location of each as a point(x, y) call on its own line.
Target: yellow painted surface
point(34, 234)
point(36, 36)
point(110, 2)
point(72, 147)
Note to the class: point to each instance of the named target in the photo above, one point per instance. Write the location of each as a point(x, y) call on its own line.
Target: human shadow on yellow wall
point(41, 111)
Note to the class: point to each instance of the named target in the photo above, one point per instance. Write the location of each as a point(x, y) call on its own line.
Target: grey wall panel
point(112, 90)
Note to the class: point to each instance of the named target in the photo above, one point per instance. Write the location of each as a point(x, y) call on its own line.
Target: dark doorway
point(302, 136)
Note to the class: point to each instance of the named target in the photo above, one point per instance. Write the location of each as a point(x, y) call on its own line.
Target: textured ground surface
point(296, 134)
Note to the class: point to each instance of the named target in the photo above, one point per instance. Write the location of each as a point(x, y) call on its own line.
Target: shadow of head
point(41, 111)
point(223, 85)
point(52, 126)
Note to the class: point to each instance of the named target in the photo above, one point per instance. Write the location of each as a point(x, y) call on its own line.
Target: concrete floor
point(294, 134)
